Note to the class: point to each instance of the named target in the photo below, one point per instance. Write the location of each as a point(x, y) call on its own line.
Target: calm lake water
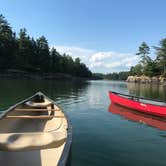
point(100, 137)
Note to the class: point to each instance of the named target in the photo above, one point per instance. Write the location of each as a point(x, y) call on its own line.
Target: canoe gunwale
point(137, 99)
point(11, 108)
point(65, 154)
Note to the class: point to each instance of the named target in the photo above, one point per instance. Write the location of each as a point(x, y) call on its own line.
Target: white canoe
point(35, 132)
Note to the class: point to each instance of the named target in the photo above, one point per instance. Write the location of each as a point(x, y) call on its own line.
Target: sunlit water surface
point(100, 138)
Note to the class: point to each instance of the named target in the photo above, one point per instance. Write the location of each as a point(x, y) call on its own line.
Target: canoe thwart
point(33, 117)
point(31, 141)
point(24, 109)
point(36, 105)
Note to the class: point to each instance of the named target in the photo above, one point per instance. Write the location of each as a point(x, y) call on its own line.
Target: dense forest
point(23, 52)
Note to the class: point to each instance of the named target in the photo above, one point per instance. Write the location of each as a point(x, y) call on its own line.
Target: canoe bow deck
point(156, 108)
point(30, 127)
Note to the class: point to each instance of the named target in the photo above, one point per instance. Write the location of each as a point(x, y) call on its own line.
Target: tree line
point(23, 52)
point(112, 76)
point(146, 65)
point(117, 75)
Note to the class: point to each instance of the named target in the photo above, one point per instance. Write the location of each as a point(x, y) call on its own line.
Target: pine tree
point(7, 44)
point(161, 55)
point(43, 54)
point(144, 51)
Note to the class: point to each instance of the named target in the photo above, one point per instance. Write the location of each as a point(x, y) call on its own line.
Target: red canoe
point(148, 106)
point(140, 117)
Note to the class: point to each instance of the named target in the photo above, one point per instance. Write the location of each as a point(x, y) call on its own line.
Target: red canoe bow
point(139, 104)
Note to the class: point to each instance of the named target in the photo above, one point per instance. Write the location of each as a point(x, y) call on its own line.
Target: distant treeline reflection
point(155, 91)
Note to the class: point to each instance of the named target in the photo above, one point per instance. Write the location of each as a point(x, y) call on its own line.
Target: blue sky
point(105, 34)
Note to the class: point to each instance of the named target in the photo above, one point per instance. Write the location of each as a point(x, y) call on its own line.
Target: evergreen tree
point(152, 69)
point(43, 54)
point(144, 51)
point(161, 55)
point(55, 58)
point(26, 53)
point(136, 70)
point(7, 44)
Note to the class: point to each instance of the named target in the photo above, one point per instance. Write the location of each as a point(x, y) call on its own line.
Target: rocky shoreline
point(17, 74)
point(146, 79)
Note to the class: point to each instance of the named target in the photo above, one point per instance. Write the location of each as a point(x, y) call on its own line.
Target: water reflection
point(97, 136)
point(12, 91)
point(154, 91)
point(138, 117)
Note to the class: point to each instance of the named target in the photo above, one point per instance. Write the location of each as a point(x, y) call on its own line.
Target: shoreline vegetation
point(22, 56)
point(19, 74)
point(147, 70)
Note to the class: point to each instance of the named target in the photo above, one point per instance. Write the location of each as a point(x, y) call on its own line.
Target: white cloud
point(113, 64)
point(104, 62)
point(96, 64)
point(100, 56)
point(75, 52)
point(112, 61)
point(126, 62)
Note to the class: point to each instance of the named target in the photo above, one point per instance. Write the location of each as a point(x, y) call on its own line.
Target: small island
point(147, 70)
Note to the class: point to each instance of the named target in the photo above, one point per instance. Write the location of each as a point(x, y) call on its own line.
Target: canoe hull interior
point(135, 104)
point(46, 157)
point(35, 130)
